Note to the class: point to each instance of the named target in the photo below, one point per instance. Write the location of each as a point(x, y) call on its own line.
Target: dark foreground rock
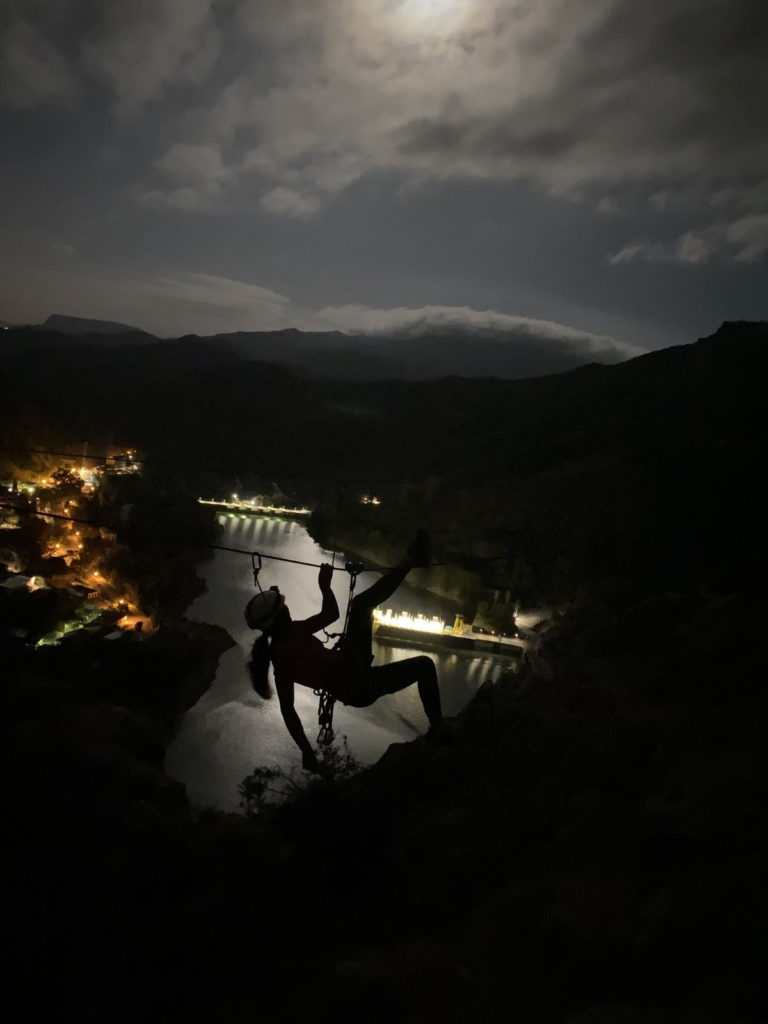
point(586, 849)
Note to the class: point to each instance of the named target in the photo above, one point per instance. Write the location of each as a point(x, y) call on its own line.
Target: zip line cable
point(106, 526)
point(238, 551)
point(75, 456)
point(265, 474)
point(338, 481)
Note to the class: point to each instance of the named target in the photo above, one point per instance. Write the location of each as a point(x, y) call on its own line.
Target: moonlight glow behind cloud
point(192, 165)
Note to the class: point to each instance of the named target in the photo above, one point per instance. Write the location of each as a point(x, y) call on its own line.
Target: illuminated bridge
point(254, 509)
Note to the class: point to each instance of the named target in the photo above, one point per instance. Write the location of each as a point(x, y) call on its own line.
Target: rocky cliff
point(583, 849)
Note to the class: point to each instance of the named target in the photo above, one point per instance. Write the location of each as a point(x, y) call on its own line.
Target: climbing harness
point(325, 717)
point(327, 700)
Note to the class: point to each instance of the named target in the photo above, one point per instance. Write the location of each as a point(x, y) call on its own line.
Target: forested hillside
point(645, 469)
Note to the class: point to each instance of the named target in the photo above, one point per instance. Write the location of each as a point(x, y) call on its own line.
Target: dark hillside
point(578, 850)
point(664, 400)
point(649, 468)
point(427, 354)
point(589, 841)
point(583, 845)
point(646, 468)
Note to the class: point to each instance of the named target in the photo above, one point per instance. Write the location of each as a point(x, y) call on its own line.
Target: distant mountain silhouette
point(84, 325)
point(329, 355)
point(420, 354)
point(426, 355)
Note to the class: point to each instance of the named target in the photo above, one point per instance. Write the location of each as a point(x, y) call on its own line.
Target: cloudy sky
point(207, 165)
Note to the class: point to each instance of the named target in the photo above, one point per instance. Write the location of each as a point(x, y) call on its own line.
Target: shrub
point(269, 785)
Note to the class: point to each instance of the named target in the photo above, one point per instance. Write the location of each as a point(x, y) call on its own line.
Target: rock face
point(583, 849)
point(587, 841)
point(90, 812)
point(160, 677)
point(194, 649)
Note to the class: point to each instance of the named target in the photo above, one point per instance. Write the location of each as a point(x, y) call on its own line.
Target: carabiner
point(256, 566)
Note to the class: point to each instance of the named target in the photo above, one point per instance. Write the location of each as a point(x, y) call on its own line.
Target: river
point(231, 730)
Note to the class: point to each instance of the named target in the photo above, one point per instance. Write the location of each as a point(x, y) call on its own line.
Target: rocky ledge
point(584, 849)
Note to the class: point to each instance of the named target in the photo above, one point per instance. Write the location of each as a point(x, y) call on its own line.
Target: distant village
point(53, 580)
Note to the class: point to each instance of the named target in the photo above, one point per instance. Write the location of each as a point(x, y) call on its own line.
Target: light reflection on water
point(230, 730)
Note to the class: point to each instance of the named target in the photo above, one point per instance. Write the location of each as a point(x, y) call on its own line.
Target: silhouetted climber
point(299, 657)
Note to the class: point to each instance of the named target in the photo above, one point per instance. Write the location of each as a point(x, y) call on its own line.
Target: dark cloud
point(432, 135)
point(539, 158)
point(309, 96)
point(703, 62)
point(689, 75)
point(673, 96)
point(32, 69)
point(53, 52)
point(498, 136)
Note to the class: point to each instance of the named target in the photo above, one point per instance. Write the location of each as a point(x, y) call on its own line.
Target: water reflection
point(230, 730)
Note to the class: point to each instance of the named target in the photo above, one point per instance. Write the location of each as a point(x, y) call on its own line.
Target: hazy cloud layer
point(167, 306)
point(486, 323)
point(205, 304)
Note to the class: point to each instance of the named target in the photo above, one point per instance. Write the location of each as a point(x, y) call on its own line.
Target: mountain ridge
point(424, 352)
point(64, 324)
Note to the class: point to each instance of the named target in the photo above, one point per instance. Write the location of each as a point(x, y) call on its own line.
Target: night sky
point(217, 165)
